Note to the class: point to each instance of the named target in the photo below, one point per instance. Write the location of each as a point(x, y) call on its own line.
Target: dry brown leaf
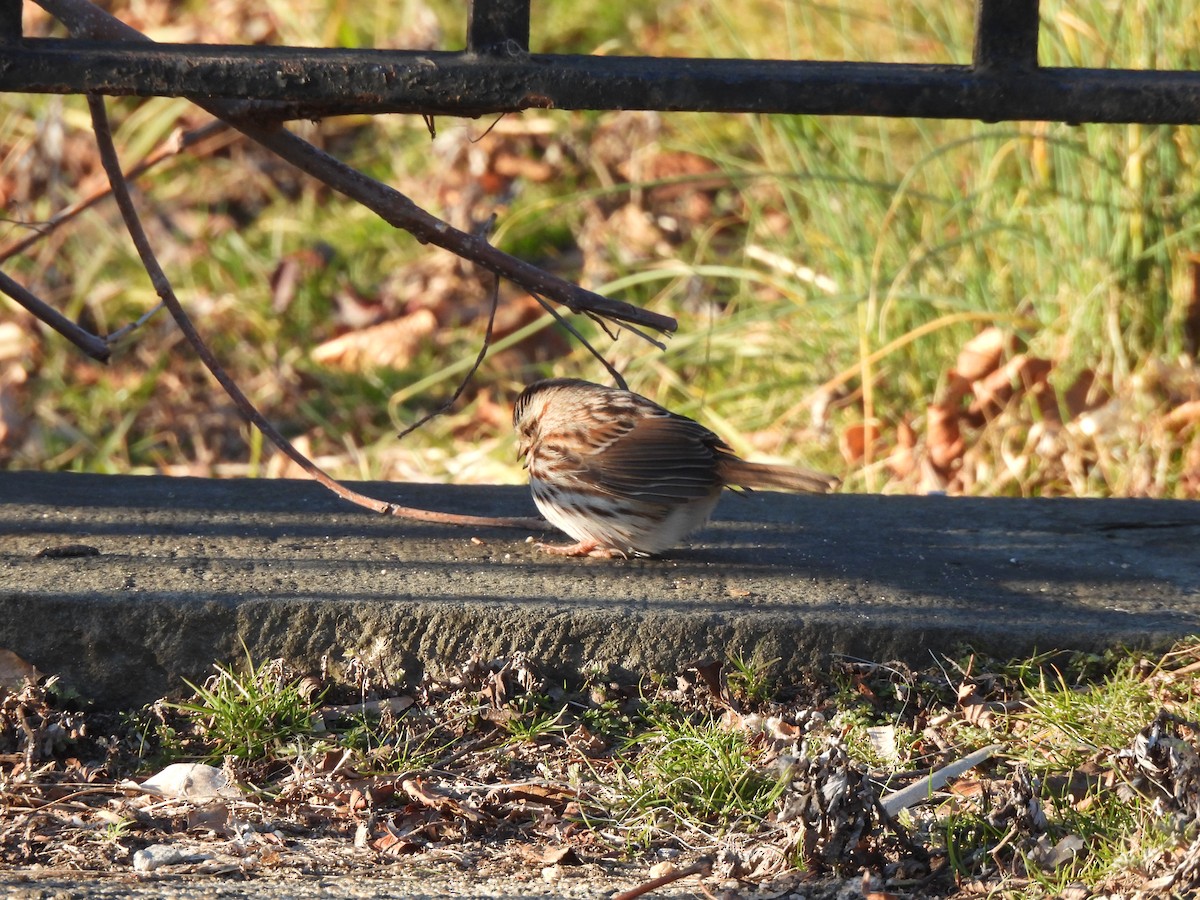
point(280, 465)
point(866, 691)
point(955, 388)
point(14, 409)
point(291, 271)
point(1182, 416)
point(562, 856)
point(943, 440)
point(391, 344)
point(780, 729)
point(980, 356)
point(970, 788)
point(435, 798)
point(394, 842)
point(210, 817)
point(903, 460)
point(1191, 317)
point(1021, 373)
point(1189, 480)
point(487, 418)
point(710, 672)
point(538, 792)
point(855, 439)
point(512, 165)
point(14, 670)
point(15, 342)
point(977, 712)
point(514, 314)
point(1085, 394)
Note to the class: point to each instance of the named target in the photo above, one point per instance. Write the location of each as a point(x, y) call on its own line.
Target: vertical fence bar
point(498, 26)
point(1006, 35)
point(10, 21)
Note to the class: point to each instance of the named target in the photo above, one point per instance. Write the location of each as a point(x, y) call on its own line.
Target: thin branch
point(617, 377)
point(462, 385)
point(162, 286)
point(84, 20)
point(125, 330)
point(173, 146)
point(95, 347)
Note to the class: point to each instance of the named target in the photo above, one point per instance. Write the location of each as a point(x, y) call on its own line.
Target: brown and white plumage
point(624, 476)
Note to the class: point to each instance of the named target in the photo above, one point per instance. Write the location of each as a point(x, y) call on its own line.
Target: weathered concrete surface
point(189, 568)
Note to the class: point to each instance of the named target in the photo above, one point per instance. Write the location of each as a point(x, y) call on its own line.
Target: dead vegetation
point(716, 774)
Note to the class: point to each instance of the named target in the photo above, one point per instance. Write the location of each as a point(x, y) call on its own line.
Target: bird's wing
point(662, 459)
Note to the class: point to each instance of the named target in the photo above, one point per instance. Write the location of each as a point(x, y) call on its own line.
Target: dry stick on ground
point(112, 167)
point(702, 866)
point(84, 20)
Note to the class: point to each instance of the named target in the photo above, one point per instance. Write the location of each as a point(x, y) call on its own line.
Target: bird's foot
point(582, 548)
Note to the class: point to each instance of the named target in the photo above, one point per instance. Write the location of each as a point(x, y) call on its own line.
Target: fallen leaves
point(446, 777)
point(1008, 421)
point(393, 344)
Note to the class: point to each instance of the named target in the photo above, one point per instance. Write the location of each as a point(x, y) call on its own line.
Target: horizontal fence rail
point(312, 83)
point(497, 73)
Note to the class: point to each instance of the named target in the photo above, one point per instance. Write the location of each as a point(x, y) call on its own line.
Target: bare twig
point(162, 286)
point(94, 346)
point(700, 867)
point(612, 370)
point(125, 330)
point(173, 146)
point(84, 20)
point(462, 385)
point(98, 348)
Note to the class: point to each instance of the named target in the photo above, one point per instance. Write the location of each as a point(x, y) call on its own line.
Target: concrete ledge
point(188, 569)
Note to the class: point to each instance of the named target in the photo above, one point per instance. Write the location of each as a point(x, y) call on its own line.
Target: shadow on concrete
point(189, 568)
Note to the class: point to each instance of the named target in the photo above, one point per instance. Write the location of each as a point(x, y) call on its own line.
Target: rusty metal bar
point(10, 21)
point(498, 27)
point(1006, 35)
point(325, 82)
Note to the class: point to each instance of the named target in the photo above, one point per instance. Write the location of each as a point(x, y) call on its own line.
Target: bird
point(624, 476)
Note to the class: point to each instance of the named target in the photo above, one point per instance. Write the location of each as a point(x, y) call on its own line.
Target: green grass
point(685, 776)
point(249, 715)
point(920, 232)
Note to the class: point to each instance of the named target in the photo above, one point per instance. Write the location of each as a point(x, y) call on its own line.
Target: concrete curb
point(188, 569)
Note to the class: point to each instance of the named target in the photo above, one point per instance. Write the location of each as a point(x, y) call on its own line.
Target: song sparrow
point(622, 475)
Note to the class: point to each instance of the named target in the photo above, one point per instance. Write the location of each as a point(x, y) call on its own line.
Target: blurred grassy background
point(834, 278)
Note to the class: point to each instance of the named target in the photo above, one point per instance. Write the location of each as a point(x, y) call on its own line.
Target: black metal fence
point(497, 73)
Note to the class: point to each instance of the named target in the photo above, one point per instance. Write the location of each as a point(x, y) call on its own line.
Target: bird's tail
point(783, 478)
